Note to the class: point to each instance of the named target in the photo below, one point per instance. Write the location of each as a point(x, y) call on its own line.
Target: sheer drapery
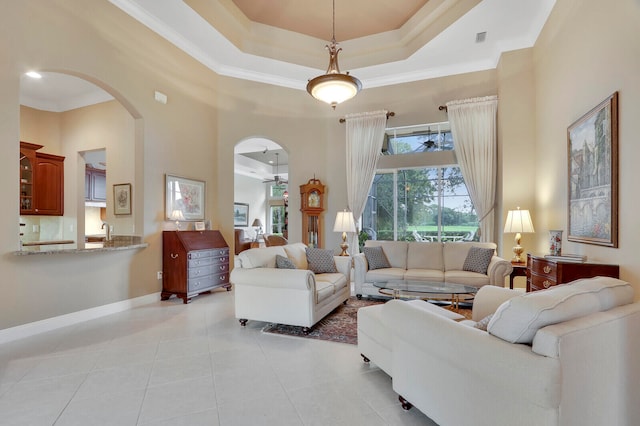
point(365, 134)
point(473, 126)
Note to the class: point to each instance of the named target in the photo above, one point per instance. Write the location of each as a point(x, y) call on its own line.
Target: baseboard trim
point(42, 326)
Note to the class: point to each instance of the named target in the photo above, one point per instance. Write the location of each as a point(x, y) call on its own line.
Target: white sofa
point(581, 369)
point(426, 262)
point(286, 296)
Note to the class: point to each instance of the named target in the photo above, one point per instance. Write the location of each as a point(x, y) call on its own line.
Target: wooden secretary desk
point(543, 273)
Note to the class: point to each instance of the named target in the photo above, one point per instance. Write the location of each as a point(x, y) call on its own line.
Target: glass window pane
point(277, 219)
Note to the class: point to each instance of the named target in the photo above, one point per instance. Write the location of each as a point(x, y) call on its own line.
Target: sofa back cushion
point(260, 257)
point(297, 253)
point(456, 253)
point(518, 319)
point(376, 258)
point(425, 256)
point(395, 251)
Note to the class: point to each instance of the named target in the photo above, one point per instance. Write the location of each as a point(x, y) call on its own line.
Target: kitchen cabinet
point(193, 262)
point(95, 185)
point(41, 181)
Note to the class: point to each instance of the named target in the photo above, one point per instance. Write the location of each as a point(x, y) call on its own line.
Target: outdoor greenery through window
point(420, 203)
point(277, 209)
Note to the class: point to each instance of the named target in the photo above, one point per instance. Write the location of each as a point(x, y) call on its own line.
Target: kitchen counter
point(117, 243)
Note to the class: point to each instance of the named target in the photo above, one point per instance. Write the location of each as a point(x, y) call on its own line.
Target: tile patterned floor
point(172, 364)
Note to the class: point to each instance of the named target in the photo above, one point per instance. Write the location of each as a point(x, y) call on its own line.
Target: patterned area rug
point(339, 326)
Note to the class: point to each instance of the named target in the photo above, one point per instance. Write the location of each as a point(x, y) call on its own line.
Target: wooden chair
point(241, 243)
point(274, 240)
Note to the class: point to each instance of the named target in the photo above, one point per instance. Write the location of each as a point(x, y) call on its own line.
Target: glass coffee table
point(426, 290)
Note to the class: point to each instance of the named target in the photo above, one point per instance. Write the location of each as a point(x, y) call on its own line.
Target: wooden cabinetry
point(193, 262)
point(312, 208)
point(41, 182)
point(95, 185)
point(544, 273)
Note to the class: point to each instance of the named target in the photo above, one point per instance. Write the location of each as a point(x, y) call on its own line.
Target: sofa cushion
point(396, 251)
point(376, 258)
point(320, 260)
point(284, 263)
point(518, 319)
point(260, 257)
point(385, 274)
point(424, 274)
point(425, 256)
point(478, 260)
point(456, 253)
point(297, 253)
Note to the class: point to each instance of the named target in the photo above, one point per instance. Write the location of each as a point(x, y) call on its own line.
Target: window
point(277, 210)
point(429, 203)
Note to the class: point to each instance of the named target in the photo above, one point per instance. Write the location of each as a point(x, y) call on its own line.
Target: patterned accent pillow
point(376, 258)
point(478, 260)
point(320, 260)
point(484, 322)
point(284, 262)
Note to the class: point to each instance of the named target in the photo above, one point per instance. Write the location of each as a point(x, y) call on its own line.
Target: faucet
point(105, 225)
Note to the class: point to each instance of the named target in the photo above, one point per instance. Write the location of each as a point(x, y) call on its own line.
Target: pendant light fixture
point(334, 87)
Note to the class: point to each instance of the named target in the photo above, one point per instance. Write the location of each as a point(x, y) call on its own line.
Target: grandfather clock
point(312, 208)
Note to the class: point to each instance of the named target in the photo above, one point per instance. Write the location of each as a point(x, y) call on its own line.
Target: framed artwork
point(122, 198)
point(184, 195)
point(199, 226)
point(593, 175)
point(240, 214)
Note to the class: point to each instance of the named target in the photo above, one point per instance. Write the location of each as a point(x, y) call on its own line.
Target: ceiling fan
point(276, 178)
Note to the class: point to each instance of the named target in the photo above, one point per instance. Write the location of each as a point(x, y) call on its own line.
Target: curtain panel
point(365, 134)
point(473, 126)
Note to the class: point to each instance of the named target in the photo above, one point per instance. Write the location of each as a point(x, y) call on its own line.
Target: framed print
point(199, 226)
point(122, 198)
point(593, 175)
point(184, 195)
point(240, 214)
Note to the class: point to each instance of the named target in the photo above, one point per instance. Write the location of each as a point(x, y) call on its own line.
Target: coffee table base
point(399, 294)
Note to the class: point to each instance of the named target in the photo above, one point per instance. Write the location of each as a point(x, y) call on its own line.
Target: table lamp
point(257, 223)
point(518, 221)
point(344, 223)
point(177, 216)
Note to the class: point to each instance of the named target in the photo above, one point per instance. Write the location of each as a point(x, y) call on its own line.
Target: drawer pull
point(546, 283)
point(222, 267)
point(547, 269)
point(174, 256)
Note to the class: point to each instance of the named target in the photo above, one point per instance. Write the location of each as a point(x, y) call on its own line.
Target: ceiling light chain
point(334, 87)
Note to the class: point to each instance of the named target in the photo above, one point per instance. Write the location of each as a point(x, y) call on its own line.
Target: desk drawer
point(543, 267)
point(541, 282)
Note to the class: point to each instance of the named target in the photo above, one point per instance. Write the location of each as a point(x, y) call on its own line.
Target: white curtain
point(365, 133)
point(473, 126)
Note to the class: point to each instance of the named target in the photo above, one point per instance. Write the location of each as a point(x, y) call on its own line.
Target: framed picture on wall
point(240, 214)
point(186, 196)
point(122, 199)
point(593, 175)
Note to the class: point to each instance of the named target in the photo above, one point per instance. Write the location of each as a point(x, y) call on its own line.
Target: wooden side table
point(519, 270)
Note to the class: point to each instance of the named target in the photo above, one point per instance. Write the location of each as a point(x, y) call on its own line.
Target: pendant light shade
point(333, 87)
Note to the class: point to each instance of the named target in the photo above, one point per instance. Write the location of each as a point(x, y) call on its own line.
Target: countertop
point(117, 243)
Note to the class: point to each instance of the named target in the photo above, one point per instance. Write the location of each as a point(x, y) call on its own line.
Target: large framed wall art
point(240, 214)
point(185, 195)
point(593, 175)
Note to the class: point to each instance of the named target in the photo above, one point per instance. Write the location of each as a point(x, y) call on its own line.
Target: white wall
point(253, 192)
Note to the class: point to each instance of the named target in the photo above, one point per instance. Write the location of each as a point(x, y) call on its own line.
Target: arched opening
point(261, 171)
point(96, 131)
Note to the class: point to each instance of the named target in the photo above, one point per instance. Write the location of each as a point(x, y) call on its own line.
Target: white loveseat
point(287, 296)
point(422, 261)
point(580, 369)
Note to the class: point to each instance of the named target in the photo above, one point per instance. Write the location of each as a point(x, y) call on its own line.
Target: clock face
point(314, 199)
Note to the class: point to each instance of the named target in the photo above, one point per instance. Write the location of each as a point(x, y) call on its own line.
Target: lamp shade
point(257, 223)
point(344, 222)
point(518, 221)
point(177, 215)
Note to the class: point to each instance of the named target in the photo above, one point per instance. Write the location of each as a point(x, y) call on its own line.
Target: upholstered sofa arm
point(298, 279)
point(489, 298)
point(498, 270)
point(456, 347)
point(360, 268)
point(343, 265)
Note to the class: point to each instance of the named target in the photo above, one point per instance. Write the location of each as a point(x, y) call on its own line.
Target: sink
point(94, 238)
point(115, 241)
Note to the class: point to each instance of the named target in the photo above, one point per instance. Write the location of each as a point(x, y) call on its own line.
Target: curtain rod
point(389, 114)
point(443, 107)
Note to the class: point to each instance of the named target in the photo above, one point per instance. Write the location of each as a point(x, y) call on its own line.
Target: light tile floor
point(172, 364)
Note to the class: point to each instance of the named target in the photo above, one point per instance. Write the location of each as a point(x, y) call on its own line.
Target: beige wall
point(543, 89)
point(587, 50)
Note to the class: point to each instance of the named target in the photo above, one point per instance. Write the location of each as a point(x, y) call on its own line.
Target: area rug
point(339, 326)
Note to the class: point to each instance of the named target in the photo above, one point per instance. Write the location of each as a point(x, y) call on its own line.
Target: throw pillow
point(376, 258)
point(320, 260)
point(484, 323)
point(478, 260)
point(284, 262)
